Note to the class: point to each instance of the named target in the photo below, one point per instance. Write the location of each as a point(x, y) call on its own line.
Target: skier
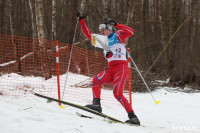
point(117, 72)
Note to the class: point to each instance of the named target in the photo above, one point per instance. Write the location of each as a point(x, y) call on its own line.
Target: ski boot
point(133, 119)
point(96, 105)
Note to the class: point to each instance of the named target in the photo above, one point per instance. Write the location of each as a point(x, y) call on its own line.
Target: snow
point(8, 63)
point(12, 62)
point(178, 112)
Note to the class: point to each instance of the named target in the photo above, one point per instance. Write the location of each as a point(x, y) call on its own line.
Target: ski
point(77, 106)
point(111, 121)
point(107, 120)
point(85, 116)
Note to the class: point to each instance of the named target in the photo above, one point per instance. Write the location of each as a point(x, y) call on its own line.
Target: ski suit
point(117, 72)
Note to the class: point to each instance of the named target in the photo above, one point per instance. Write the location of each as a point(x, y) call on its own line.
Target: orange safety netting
point(30, 64)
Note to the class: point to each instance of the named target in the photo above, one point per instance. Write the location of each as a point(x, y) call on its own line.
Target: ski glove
point(111, 21)
point(79, 15)
point(109, 54)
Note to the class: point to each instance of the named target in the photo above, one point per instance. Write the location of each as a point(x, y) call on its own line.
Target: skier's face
point(102, 31)
point(105, 32)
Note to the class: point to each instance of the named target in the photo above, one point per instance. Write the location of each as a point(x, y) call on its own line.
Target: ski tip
point(157, 102)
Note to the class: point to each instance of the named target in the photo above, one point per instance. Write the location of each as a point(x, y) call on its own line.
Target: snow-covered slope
point(177, 113)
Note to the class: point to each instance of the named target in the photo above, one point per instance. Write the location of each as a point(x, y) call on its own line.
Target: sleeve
point(124, 32)
point(85, 29)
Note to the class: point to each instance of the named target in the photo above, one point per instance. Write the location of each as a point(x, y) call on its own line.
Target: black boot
point(133, 119)
point(96, 105)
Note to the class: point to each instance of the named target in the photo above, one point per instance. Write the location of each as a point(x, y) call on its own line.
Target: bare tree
point(113, 8)
point(12, 24)
point(105, 9)
point(40, 20)
point(140, 41)
point(83, 4)
point(2, 11)
point(2, 18)
point(166, 39)
point(13, 32)
point(33, 22)
point(41, 34)
point(54, 13)
point(35, 33)
point(130, 17)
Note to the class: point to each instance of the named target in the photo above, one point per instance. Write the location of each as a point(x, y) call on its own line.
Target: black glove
point(79, 15)
point(111, 21)
point(109, 54)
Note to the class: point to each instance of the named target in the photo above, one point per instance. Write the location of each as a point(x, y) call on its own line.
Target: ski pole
point(157, 102)
point(70, 57)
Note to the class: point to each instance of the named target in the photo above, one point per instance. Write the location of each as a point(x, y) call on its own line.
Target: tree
point(54, 13)
point(130, 17)
point(34, 33)
point(13, 32)
point(41, 34)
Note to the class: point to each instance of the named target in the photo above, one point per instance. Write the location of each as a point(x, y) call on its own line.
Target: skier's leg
point(118, 88)
point(102, 78)
point(119, 81)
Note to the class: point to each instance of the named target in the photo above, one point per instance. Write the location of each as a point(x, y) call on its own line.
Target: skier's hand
point(111, 21)
point(109, 54)
point(79, 15)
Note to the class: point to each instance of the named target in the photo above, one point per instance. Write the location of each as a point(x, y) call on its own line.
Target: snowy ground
point(177, 113)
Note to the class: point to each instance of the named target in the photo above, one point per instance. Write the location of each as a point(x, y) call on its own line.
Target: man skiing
point(117, 72)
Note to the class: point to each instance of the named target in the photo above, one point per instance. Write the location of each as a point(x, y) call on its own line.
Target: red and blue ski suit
point(117, 72)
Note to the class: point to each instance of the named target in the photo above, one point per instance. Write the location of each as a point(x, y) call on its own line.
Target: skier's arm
point(85, 29)
point(124, 32)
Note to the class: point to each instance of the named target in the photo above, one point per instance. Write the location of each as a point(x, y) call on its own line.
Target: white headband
point(104, 26)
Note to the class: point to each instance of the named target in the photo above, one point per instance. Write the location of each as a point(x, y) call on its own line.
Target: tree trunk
point(140, 43)
point(13, 32)
point(40, 21)
point(41, 34)
point(54, 13)
point(174, 18)
point(119, 10)
point(105, 9)
point(2, 13)
point(34, 34)
point(113, 9)
point(130, 18)
point(2, 18)
point(71, 20)
point(83, 2)
point(146, 48)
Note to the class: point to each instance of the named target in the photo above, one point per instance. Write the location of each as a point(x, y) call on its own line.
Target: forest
point(165, 45)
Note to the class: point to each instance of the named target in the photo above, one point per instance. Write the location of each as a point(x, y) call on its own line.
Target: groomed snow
point(178, 112)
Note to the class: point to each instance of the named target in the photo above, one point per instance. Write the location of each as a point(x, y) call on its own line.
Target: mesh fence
point(30, 64)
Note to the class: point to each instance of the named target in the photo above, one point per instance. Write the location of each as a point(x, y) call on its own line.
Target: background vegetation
point(166, 43)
